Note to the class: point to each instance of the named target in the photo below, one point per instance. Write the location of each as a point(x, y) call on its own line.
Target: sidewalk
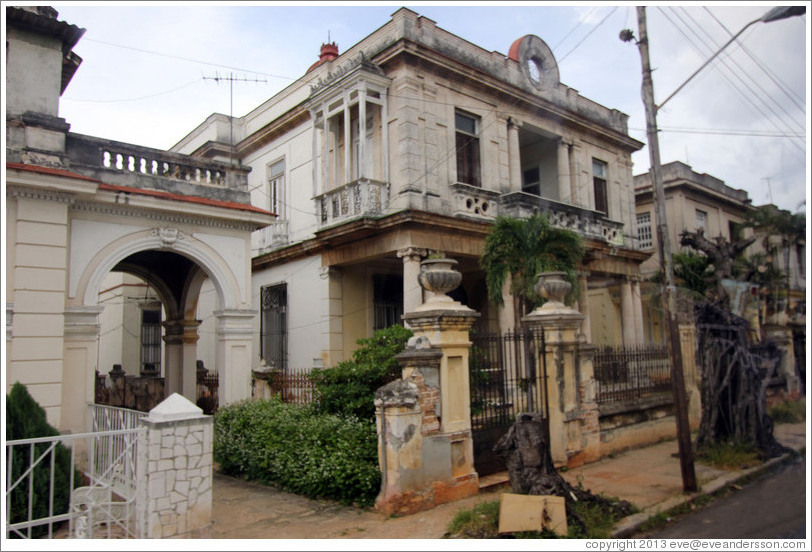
point(648, 477)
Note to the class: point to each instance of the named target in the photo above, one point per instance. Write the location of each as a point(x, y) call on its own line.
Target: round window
point(534, 70)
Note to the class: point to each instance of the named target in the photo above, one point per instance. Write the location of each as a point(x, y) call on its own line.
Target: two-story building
point(412, 141)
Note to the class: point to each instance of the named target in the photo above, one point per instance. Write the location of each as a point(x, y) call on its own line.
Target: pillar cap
point(175, 408)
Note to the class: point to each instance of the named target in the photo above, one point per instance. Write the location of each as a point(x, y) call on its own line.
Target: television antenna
point(231, 79)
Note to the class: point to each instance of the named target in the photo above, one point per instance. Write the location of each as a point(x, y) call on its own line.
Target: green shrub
point(348, 389)
point(731, 455)
point(299, 449)
point(25, 419)
point(788, 412)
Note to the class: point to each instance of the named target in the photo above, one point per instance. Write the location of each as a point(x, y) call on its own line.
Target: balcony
point(589, 224)
point(358, 198)
point(471, 201)
point(273, 236)
point(147, 168)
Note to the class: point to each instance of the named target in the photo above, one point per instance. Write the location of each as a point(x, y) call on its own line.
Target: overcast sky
point(742, 119)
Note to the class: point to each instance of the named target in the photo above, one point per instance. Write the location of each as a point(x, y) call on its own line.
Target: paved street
point(773, 507)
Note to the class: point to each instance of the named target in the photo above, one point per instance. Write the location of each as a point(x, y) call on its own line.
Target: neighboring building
point(692, 201)
point(698, 200)
point(83, 212)
point(412, 141)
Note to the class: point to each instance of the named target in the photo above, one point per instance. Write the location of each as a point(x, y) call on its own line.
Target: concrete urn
point(553, 287)
point(439, 275)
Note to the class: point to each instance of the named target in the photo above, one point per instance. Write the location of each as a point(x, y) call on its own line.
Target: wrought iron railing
point(632, 372)
point(293, 386)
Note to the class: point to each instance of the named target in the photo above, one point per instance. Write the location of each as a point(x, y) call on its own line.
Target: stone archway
point(177, 264)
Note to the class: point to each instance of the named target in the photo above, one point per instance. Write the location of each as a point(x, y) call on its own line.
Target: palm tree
point(521, 249)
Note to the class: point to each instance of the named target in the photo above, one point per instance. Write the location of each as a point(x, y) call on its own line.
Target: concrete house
point(79, 208)
point(409, 142)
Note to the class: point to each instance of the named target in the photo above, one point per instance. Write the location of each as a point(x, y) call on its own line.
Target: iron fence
point(631, 372)
point(293, 385)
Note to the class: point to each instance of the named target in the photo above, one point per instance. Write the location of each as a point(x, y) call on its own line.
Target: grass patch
point(733, 455)
point(788, 412)
point(482, 522)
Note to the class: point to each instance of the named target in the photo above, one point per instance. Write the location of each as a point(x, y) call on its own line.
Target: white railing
point(475, 202)
point(275, 235)
point(45, 496)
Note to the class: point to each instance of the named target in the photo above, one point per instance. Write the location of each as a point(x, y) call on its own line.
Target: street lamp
point(664, 244)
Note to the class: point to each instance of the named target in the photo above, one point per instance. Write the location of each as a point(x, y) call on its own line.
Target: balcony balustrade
point(273, 236)
point(357, 198)
point(147, 168)
point(589, 224)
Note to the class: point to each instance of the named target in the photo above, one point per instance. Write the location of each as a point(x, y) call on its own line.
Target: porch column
point(563, 162)
point(627, 312)
point(579, 191)
point(81, 346)
point(189, 338)
point(583, 304)
point(507, 315)
point(637, 305)
point(333, 315)
point(235, 332)
point(514, 156)
point(412, 292)
point(347, 141)
point(173, 356)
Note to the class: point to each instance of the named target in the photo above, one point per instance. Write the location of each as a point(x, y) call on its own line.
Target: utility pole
point(666, 265)
point(231, 78)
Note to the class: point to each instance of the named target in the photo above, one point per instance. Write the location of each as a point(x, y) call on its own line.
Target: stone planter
point(553, 287)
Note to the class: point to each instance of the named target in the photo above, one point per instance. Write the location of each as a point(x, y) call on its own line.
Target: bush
point(299, 449)
point(25, 419)
point(348, 389)
point(788, 412)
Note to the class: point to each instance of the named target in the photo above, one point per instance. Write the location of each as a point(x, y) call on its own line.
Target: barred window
point(274, 325)
point(644, 230)
point(151, 339)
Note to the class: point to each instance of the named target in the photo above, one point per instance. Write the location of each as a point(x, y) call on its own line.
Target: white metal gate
point(102, 474)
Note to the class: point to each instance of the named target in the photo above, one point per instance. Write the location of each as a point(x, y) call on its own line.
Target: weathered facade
point(80, 207)
point(451, 136)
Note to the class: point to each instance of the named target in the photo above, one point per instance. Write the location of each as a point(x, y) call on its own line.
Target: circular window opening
point(534, 70)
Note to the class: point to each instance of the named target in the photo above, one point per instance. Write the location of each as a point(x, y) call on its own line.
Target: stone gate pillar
point(570, 386)
point(424, 419)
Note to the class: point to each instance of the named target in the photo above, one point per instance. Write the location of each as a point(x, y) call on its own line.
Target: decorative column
point(333, 313)
point(235, 333)
point(627, 312)
point(514, 156)
point(583, 304)
point(189, 339)
point(563, 162)
point(637, 307)
point(412, 292)
point(424, 419)
point(173, 356)
point(574, 431)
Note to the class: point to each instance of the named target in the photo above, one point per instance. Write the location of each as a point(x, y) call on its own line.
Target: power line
point(595, 28)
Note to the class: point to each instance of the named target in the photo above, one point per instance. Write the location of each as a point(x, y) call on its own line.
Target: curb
point(629, 525)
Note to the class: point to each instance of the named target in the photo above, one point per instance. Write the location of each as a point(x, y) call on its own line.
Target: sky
point(148, 70)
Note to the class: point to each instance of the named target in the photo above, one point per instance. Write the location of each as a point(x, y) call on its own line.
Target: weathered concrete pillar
point(235, 333)
point(637, 307)
point(178, 473)
point(627, 312)
point(424, 419)
point(574, 434)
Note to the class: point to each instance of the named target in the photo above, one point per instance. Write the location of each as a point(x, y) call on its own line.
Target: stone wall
point(179, 470)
